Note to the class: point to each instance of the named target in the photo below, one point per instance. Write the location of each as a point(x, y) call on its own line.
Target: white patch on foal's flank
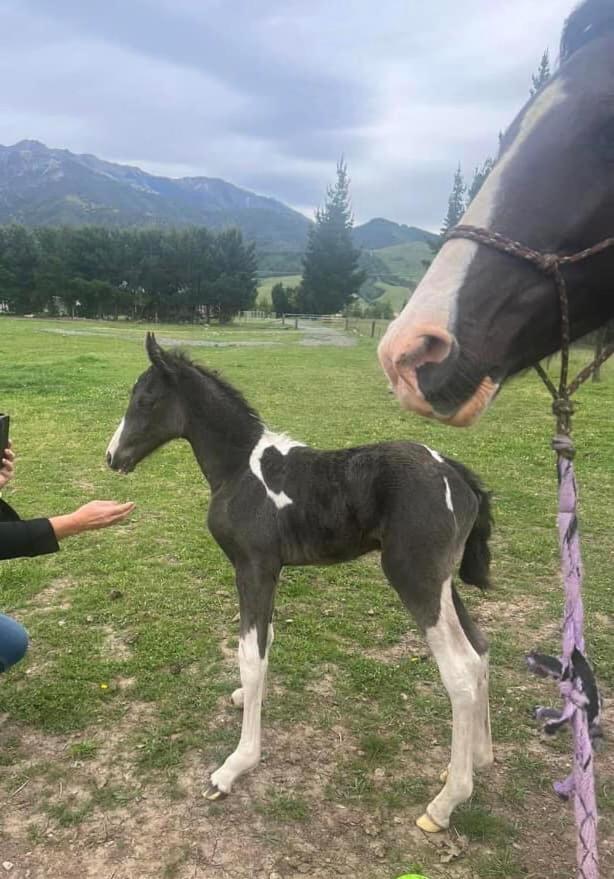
point(435, 455)
point(283, 444)
point(449, 504)
point(115, 439)
point(435, 299)
point(253, 674)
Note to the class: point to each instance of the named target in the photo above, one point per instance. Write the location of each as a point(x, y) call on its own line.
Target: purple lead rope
point(581, 783)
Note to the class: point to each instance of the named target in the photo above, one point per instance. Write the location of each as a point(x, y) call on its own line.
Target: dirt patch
point(114, 646)
point(285, 820)
point(165, 340)
point(55, 596)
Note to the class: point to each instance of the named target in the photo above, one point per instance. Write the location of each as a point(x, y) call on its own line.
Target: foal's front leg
point(256, 595)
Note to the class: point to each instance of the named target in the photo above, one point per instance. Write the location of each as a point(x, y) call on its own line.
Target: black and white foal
point(276, 502)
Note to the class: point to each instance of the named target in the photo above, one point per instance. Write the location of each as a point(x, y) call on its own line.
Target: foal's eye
point(606, 140)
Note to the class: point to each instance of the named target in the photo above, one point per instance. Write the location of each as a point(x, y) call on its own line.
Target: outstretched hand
point(91, 517)
point(7, 470)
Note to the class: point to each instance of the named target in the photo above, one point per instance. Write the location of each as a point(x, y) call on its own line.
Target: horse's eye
point(606, 140)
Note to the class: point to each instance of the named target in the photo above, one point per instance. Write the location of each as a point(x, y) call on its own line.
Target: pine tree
point(331, 276)
point(456, 203)
point(543, 74)
point(479, 178)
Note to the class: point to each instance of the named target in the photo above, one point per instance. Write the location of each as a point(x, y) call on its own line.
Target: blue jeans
point(13, 642)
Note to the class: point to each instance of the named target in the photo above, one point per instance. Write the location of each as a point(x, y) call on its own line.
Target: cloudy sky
point(269, 94)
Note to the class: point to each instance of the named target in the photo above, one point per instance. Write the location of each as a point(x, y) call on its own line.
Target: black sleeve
point(18, 539)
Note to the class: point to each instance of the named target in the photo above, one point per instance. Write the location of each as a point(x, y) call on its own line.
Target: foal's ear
point(157, 355)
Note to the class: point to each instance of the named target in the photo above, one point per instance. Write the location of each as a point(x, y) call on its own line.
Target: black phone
point(5, 421)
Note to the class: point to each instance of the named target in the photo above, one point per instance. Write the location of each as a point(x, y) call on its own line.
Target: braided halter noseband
point(549, 264)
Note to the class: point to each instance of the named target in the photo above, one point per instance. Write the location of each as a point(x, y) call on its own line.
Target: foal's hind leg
point(256, 585)
point(483, 756)
point(430, 599)
point(462, 672)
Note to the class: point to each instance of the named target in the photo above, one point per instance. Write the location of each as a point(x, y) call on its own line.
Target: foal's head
point(155, 413)
point(176, 398)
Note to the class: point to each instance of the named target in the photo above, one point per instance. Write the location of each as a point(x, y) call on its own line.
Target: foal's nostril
point(109, 459)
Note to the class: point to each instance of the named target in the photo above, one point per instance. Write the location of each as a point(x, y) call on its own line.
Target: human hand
point(91, 517)
point(7, 469)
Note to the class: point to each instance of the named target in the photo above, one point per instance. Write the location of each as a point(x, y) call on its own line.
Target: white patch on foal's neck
point(436, 297)
point(115, 439)
point(283, 444)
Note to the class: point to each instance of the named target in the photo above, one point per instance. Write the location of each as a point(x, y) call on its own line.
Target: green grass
point(406, 260)
point(396, 296)
point(265, 285)
point(135, 686)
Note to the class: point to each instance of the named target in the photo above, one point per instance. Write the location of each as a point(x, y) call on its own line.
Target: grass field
point(108, 730)
point(406, 260)
point(265, 285)
point(396, 296)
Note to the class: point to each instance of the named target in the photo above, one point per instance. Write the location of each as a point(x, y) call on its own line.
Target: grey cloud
point(268, 94)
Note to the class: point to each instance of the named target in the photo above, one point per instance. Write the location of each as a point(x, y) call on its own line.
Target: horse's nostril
point(436, 349)
point(425, 349)
point(109, 459)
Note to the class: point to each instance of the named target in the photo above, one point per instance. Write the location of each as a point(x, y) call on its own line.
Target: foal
point(276, 502)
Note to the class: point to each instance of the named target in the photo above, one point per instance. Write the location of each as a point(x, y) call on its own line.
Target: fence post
point(347, 323)
point(372, 329)
point(283, 320)
point(296, 323)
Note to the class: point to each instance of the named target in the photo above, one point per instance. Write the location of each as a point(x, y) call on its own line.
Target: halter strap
point(549, 264)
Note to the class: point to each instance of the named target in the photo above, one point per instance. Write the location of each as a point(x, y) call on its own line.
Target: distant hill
point(42, 187)
point(379, 233)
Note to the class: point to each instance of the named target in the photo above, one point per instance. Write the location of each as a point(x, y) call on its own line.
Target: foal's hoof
point(237, 698)
point(214, 794)
point(427, 825)
point(443, 776)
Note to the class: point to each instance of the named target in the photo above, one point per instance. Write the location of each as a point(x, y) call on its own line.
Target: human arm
point(41, 536)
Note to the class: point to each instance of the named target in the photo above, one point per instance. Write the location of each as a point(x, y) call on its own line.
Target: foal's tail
point(475, 564)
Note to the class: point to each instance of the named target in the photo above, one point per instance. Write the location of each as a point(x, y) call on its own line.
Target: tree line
point(142, 274)
point(462, 194)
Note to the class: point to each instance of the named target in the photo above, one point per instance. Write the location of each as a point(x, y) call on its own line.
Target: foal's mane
point(588, 22)
point(181, 362)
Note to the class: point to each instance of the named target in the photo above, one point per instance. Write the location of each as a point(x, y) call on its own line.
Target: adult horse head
point(479, 316)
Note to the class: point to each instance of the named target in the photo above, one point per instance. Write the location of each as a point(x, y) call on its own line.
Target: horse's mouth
point(467, 413)
point(125, 467)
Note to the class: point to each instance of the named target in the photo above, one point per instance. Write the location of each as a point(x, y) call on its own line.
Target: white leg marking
point(435, 455)
point(483, 756)
point(237, 695)
point(283, 444)
point(449, 503)
point(247, 754)
point(115, 439)
point(460, 668)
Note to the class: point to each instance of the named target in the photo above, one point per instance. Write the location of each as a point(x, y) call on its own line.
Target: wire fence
point(361, 326)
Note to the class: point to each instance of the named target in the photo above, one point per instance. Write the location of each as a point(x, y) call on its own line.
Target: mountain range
point(40, 186)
